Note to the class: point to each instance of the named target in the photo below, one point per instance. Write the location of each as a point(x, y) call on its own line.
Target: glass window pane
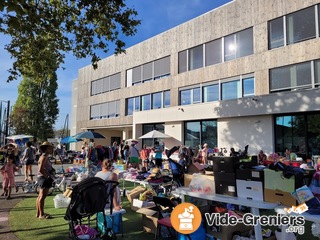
point(137, 104)
point(313, 134)
point(248, 87)
point(130, 106)
point(214, 52)
point(276, 34)
point(112, 109)
point(229, 47)
point(93, 87)
point(196, 57)
point(304, 74)
point(136, 75)
point(211, 93)
point(301, 25)
point(185, 97)
point(279, 78)
point(147, 71)
point(192, 134)
point(166, 99)
point(183, 66)
point(162, 67)
point(115, 81)
point(230, 90)
point(196, 95)
point(244, 45)
point(106, 84)
point(146, 102)
point(317, 72)
point(209, 133)
point(156, 100)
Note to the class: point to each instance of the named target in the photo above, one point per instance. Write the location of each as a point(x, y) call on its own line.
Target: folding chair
point(163, 205)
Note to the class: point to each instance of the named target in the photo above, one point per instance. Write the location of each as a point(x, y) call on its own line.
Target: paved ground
point(6, 205)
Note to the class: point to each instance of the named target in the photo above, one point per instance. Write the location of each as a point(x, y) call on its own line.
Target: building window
point(238, 45)
point(276, 33)
point(317, 72)
point(301, 25)
point(166, 100)
point(200, 132)
point(185, 97)
point(146, 102)
point(148, 128)
point(162, 67)
point(105, 110)
point(149, 71)
point(299, 132)
point(183, 61)
point(213, 52)
point(196, 57)
point(230, 90)
point(211, 93)
point(248, 87)
point(106, 84)
point(190, 96)
point(156, 100)
point(291, 77)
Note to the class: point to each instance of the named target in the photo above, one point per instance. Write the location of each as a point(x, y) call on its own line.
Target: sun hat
point(44, 145)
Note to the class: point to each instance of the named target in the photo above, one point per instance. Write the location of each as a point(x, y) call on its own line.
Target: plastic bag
point(85, 230)
point(199, 183)
point(315, 229)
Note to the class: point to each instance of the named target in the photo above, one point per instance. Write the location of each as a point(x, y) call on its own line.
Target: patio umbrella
point(132, 141)
point(88, 135)
point(154, 134)
point(68, 139)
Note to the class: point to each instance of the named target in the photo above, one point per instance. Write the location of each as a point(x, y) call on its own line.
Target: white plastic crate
point(61, 201)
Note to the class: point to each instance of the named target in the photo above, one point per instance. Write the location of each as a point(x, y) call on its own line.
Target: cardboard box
point(195, 168)
point(122, 166)
point(188, 178)
point(142, 204)
point(135, 194)
point(225, 183)
point(149, 219)
point(226, 232)
point(275, 180)
point(250, 175)
point(275, 196)
point(225, 164)
point(252, 190)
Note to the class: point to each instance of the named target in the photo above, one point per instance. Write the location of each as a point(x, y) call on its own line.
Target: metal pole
point(7, 120)
point(1, 124)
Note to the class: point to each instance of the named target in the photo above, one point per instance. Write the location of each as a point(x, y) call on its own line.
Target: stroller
point(88, 198)
point(176, 169)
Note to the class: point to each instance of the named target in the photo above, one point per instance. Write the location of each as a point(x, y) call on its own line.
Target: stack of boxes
point(224, 169)
point(250, 184)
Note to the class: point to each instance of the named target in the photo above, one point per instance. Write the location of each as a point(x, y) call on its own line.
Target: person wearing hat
point(45, 178)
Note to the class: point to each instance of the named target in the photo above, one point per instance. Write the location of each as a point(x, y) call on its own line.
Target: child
point(8, 176)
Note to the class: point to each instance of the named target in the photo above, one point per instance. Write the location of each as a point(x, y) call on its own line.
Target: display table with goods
point(254, 205)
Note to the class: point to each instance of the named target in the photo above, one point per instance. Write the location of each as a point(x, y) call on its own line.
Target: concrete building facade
point(246, 73)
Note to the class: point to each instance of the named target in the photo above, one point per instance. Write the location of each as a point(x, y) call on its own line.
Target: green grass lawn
point(26, 226)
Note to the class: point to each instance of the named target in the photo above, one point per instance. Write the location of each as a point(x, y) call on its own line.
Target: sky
point(156, 17)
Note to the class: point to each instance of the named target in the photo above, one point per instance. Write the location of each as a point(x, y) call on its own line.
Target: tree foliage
point(38, 27)
point(36, 108)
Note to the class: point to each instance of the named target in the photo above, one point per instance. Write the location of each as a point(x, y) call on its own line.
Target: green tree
point(60, 26)
point(36, 108)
